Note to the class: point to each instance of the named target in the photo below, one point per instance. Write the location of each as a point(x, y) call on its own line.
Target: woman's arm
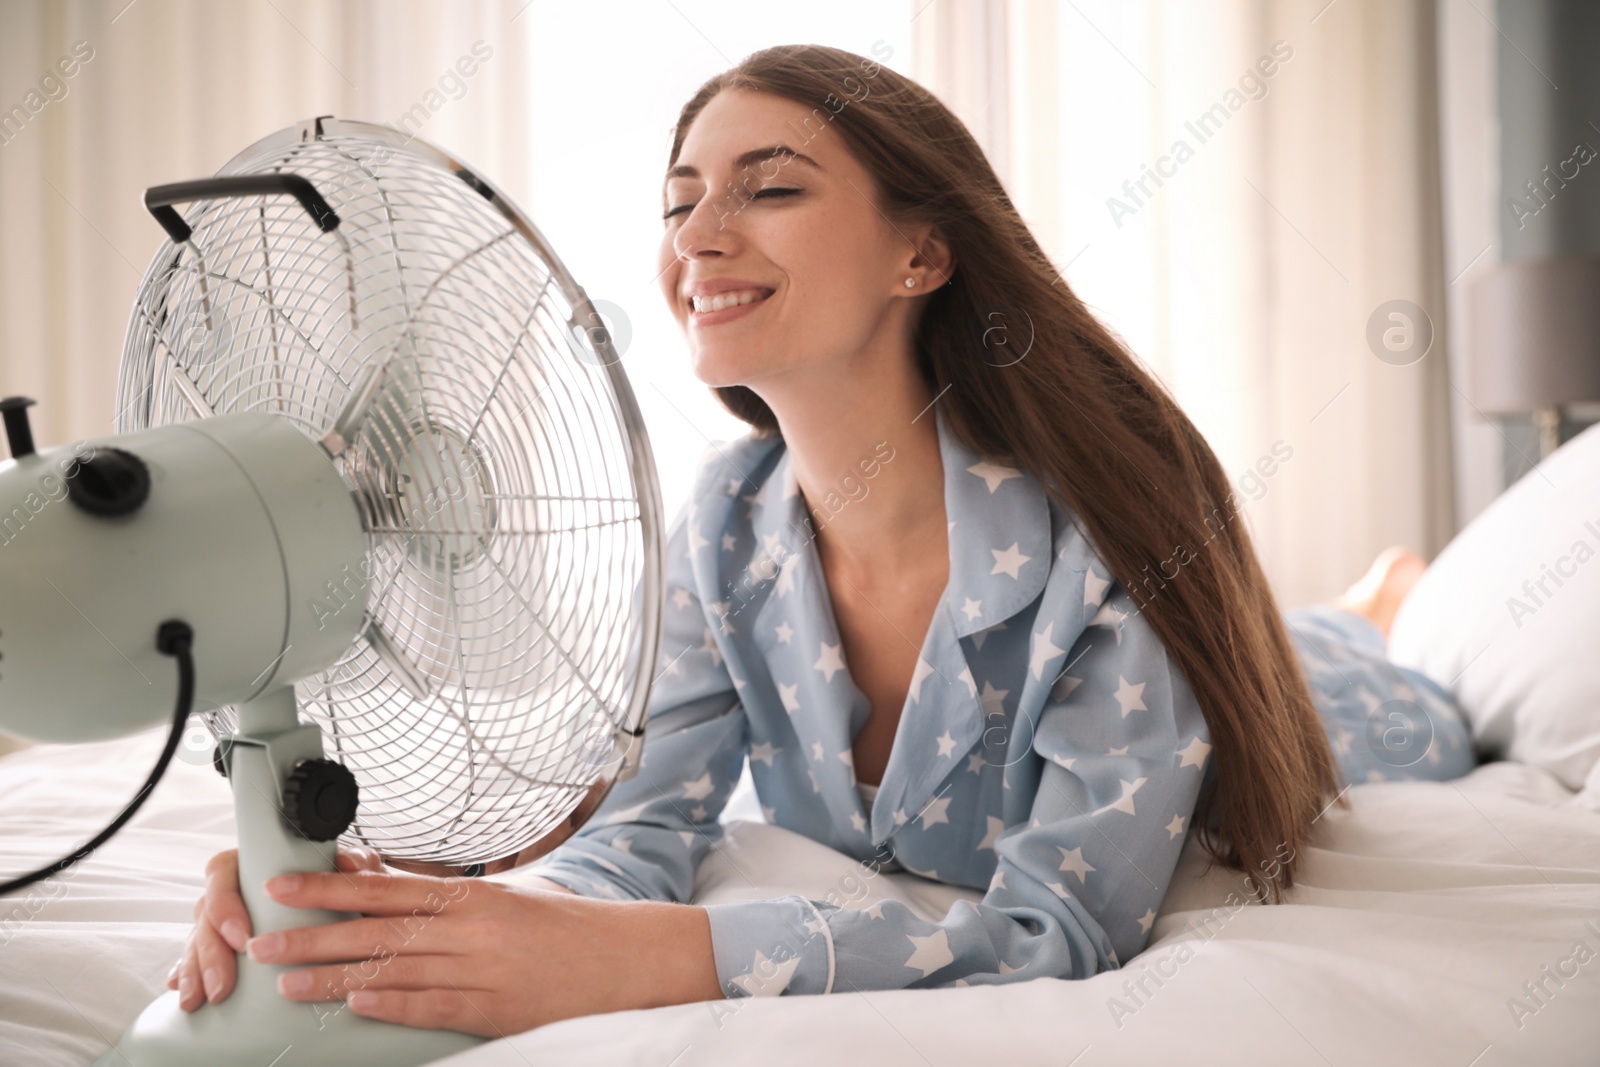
point(484, 957)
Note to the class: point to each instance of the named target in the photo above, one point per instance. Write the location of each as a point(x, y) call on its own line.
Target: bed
point(1421, 913)
point(1453, 923)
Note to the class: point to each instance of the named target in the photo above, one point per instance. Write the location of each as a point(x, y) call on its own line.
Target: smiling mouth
point(704, 305)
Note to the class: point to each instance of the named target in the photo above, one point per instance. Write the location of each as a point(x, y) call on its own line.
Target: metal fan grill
point(478, 410)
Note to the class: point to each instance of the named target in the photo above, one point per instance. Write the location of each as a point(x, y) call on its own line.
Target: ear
point(932, 261)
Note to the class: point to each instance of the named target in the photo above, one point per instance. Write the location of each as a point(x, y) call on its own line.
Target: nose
point(708, 230)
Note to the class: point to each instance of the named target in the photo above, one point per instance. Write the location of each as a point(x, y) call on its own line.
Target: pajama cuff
point(765, 948)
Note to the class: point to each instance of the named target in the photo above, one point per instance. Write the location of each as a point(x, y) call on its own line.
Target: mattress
point(1453, 923)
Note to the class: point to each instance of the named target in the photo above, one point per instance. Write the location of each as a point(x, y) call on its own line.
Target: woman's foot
point(1377, 595)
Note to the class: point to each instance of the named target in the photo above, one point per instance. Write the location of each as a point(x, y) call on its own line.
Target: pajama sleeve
point(1121, 747)
point(646, 839)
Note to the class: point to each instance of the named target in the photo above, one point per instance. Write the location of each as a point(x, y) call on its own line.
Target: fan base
point(256, 1025)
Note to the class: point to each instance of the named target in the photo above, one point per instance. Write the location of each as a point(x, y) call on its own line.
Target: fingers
point(370, 892)
point(216, 962)
point(380, 971)
point(432, 1009)
point(358, 859)
point(357, 939)
point(224, 908)
point(190, 993)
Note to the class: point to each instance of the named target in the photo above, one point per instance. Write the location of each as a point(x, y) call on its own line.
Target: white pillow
point(1508, 619)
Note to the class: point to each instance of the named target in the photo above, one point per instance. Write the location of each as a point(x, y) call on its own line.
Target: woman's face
point(799, 232)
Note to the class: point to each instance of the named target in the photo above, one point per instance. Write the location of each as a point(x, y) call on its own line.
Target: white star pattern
point(922, 670)
point(935, 813)
point(1130, 697)
point(931, 952)
point(1008, 561)
point(1064, 687)
point(1044, 652)
point(993, 474)
point(759, 693)
point(1194, 753)
point(993, 700)
point(1072, 860)
point(983, 635)
point(786, 575)
point(1109, 616)
point(1094, 588)
point(831, 659)
point(1124, 802)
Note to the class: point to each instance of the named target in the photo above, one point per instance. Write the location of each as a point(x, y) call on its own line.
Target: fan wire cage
point(476, 407)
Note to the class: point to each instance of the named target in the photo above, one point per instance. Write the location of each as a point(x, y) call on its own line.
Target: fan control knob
point(110, 483)
point(319, 799)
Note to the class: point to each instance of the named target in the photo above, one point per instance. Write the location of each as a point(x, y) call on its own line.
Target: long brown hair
point(1079, 413)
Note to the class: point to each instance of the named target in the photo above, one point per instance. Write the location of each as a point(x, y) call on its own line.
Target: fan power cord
point(175, 639)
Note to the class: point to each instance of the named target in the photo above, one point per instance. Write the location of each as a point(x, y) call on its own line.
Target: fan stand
point(256, 1024)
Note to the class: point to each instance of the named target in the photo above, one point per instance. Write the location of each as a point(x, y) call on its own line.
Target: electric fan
point(379, 466)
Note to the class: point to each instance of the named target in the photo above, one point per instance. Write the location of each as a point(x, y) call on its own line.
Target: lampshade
point(1534, 336)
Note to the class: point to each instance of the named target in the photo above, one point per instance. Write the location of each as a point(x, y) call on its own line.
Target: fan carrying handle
point(159, 199)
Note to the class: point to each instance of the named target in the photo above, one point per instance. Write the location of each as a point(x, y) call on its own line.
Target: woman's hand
point(482, 957)
point(206, 970)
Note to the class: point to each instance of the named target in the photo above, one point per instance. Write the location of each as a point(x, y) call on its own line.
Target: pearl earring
point(911, 283)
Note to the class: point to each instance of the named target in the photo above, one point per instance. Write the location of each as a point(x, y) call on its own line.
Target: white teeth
point(733, 298)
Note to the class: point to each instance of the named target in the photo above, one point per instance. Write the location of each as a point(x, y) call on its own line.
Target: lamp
point(1534, 340)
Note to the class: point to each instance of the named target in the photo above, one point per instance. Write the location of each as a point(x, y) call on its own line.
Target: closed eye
point(757, 195)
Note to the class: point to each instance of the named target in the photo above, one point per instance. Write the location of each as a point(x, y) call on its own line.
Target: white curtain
point(1246, 280)
point(174, 89)
point(1306, 197)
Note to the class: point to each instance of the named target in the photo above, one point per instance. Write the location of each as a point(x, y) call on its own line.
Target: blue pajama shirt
point(1048, 753)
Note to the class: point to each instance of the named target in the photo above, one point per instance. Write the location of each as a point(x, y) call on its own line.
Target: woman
point(945, 443)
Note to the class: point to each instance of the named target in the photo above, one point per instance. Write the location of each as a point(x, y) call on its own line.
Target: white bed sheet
point(1419, 916)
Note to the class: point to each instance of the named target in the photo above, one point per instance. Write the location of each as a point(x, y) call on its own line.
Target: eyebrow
point(755, 155)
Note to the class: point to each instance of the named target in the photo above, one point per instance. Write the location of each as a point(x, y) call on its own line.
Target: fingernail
point(283, 883)
point(266, 947)
point(185, 989)
point(362, 1000)
point(212, 980)
point(292, 982)
point(233, 933)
